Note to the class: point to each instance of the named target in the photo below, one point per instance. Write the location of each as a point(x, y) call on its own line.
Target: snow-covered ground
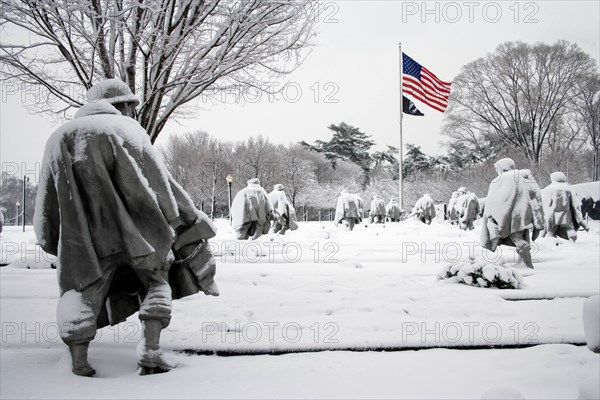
point(322, 288)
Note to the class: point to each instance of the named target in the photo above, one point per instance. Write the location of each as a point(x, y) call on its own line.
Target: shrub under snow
point(479, 273)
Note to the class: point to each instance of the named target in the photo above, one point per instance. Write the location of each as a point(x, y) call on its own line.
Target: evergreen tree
point(348, 143)
point(415, 160)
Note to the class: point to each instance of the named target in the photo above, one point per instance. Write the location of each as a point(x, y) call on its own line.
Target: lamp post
point(25, 180)
point(229, 180)
point(18, 204)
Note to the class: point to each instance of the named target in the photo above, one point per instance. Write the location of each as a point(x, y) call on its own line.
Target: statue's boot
point(526, 256)
point(79, 355)
point(151, 361)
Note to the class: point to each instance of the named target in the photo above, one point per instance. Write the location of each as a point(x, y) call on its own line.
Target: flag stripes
point(423, 85)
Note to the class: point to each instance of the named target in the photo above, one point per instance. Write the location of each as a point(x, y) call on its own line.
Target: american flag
point(423, 85)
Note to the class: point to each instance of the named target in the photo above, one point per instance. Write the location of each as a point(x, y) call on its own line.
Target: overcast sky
point(352, 74)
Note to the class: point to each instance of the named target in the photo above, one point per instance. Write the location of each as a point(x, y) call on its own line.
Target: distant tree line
point(11, 193)
point(313, 175)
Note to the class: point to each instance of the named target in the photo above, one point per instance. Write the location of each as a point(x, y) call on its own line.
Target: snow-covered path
point(320, 288)
point(542, 372)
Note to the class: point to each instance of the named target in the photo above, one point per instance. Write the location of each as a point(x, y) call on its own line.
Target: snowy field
point(311, 313)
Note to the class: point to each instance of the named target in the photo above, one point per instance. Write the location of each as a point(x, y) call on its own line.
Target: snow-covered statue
point(377, 210)
point(425, 209)
point(361, 207)
point(393, 210)
point(467, 208)
point(562, 209)
point(347, 210)
point(110, 211)
point(251, 211)
point(513, 210)
point(284, 212)
point(451, 212)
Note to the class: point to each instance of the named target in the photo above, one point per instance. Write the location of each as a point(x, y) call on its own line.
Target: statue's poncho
point(393, 209)
point(251, 205)
point(347, 207)
point(361, 209)
point(105, 198)
point(467, 207)
point(283, 209)
point(452, 211)
point(377, 207)
point(425, 207)
point(514, 202)
point(561, 206)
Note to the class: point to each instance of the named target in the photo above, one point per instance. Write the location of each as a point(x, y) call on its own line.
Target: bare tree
point(183, 156)
point(517, 95)
point(216, 165)
point(11, 192)
point(169, 52)
point(589, 113)
point(200, 163)
point(256, 158)
point(295, 171)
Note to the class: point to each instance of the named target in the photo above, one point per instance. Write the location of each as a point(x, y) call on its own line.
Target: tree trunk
point(596, 171)
point(212, 197)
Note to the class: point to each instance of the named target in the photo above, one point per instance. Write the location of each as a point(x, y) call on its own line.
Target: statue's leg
point(346, 223)
point(155, 314)
point(261, 228)
point(275, 228)
point(79, 359)
point(284, 229)
point(241, 232)
point(571, 233)
point(253, 230)
point(494, 233)
point(284, 224)
point(523, 247)
point(77, 313)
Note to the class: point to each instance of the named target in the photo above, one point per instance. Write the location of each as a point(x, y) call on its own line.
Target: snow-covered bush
point(480, 273)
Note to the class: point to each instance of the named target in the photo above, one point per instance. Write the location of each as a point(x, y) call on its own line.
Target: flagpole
point(400, 197)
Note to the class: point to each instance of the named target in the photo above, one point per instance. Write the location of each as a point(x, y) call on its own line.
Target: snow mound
point(590, 389)
point(591, 322)
point(482, 274)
